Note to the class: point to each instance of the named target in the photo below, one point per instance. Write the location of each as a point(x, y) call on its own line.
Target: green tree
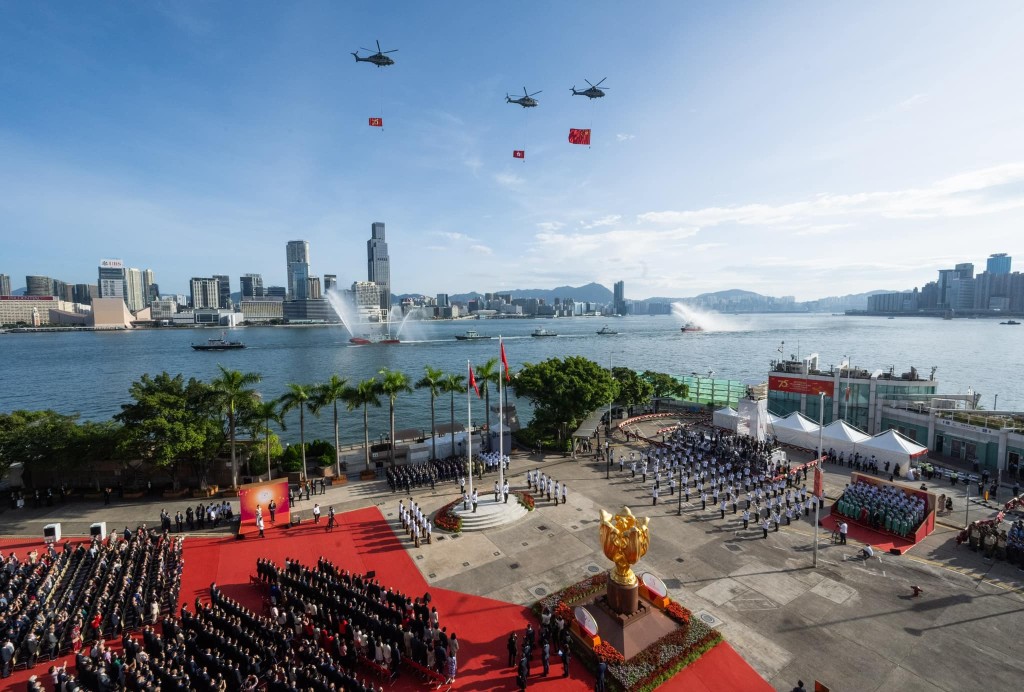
point(564, 391)
point(663, 385)
point(329, 394)
point(298, 396)
point(36, 440)
point(453, 384)
point(364, 395)
point(259, 416)
point(485, 375)
point(392, 384)
point(232, 391)
point(432, 381)
point(170, 422)
point(633, 389)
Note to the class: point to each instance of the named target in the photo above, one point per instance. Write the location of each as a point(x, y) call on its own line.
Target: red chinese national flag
point(472, 382)
point(519, 154)
point(579, 136)
point(819, 483)
point(504, 362)
point(376, 122)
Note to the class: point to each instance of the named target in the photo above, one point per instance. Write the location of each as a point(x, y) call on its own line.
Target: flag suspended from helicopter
point(519, 154)
point(376, 122)
point(579, 136)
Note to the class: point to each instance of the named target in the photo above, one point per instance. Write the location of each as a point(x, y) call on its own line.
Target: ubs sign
point(111, 264)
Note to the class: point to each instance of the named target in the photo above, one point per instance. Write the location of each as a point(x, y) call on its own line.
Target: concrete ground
point(852, 625)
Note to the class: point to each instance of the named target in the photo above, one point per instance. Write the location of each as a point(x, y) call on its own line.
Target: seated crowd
point(57, 602)
point(882, 507)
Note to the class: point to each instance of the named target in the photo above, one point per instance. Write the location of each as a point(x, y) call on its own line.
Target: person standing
point(513, 648)
point(259, 525)
point(654, 495)
point(843, 528)
point(331, 521)
point(504, 491)
point(316, 513)
point(746, 519)
point(475, 499)
point(273, 510)
point(523, 671)
point(545, 656)
point(765, 525)
point(450, 668)
point(602, 669)
point(566, 656)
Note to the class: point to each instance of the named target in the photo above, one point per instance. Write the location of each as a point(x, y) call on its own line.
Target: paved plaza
point(850, 624)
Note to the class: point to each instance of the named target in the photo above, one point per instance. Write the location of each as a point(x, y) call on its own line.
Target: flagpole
point(817, 470)
point(501, 431)
point(469, 435)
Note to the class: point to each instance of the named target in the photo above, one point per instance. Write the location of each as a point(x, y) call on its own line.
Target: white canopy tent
point(725, 418)
point(893, 447)
point(798, 430)
point(842, 437)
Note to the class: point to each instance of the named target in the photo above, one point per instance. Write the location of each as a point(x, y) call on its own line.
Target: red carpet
point(365, 541)
point(861, 534)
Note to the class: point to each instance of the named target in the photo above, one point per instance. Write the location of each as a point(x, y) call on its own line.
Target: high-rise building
point(135, 289)
point(5, 285)
point(205, 292)
point(297, 257)
point(223, 291)
point(366, 297)
point(62, 290)
point(313, 291)
point(443, 301)
point(38, 286)
point(378, 266)
point(84, 293)
point(998, 263)
point(111, 279)
point(251, 286)
point(150, 290)
point(275, 292)
point(620, 298)
point(330, 282)
point(964, 270)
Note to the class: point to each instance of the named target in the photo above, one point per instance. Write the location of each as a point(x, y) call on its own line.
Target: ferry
point(542, 332)
point(472, 335)
point(606, 331)
point(691, 327)
point(1010, 322)
point(362, 341)
point(220, 344)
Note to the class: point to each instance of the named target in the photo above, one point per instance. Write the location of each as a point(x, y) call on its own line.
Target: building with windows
point(263, 309)
point(5, 285)
point(251, 286)
point(330, 282)
point(223, 291)
point(313, 291)
point(619, 300)
point(205, 293)
point(297, 257)
point(366, 300)
point(38, 286)
point(999, 263)
point(378, 266)
point(163, 309)
point(135, 293)
point(111, 279)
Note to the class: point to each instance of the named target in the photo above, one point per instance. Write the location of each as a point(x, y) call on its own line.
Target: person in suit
point(523, 672)
point(513, 649)
point(545, 656)
point(566, 656)
point(602, 670)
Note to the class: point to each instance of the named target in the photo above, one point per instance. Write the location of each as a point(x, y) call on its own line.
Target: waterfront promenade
point(849, 624)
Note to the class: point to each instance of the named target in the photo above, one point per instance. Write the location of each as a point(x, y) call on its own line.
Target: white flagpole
point(469, 434)
point(501, 431)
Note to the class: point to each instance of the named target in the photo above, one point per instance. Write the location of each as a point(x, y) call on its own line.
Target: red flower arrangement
point(678, 613)
point(607, 653)
point(526, 500)
point(447, 519)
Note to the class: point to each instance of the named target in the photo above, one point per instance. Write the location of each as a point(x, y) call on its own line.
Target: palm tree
point(231, 390)
point(298, 396)
point(486, 373)
point(328, 394)
point(453, 384)
point(364, 394)
point(431, 381)
point(268, 412)
point(393, 383)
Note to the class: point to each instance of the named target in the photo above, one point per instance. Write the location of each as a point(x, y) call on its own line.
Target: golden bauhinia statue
point(624, 539)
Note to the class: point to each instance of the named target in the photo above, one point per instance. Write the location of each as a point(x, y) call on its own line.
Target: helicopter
point(593, 92)
point(526, 100)
point(380, 58)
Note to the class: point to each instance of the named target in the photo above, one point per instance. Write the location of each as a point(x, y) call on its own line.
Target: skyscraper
point(150, 290)
point(330, 281)
point(5, 285)
point(378, 266)
point(111, 278)
point(135, 290)
point(38, 286)
point(251, 286)
point(620, 298)
point(998, 263)
point(205, 292)
point(297, 255)
point(224, 291)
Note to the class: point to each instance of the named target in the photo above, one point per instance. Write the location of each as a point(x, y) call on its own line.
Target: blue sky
point(788, 148)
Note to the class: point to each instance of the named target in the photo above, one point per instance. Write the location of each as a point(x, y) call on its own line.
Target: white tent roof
point(892, 441)
point(726, 411)
point(843, 431)
point(796, 421)
point(773, 419)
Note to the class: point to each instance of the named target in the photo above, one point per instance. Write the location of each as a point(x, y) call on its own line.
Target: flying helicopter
point(593, 92)
point(526, 100)
point(380, 58)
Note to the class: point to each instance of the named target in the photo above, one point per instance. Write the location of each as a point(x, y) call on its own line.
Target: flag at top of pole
point(472, 381)
point(504, 361)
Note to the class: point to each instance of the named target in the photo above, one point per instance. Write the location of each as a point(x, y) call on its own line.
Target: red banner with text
point(798, 385)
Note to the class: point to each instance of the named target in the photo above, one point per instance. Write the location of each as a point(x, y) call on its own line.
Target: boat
point(691, 327)
point(542, 332)
point(1010, 322)
point(605, 330)
point(362, 341)
point(220, 344)
point(472, 335)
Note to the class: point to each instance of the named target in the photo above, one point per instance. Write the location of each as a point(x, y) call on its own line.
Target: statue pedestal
point(623, 600)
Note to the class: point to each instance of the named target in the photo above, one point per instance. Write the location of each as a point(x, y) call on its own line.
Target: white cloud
point(550, 225)
point(821, 229)
point(508, 179)
point(623, 137)
point(482, 249)
point(912, 101)
point(453, 236)
point(609, 220)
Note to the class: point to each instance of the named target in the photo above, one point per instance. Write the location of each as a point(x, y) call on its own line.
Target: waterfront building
point(275, 292)
point(330, 282)
point(163, 309)
point(38, 286)
point(366, 299)
point(378, 266)
point(223, 291)
point(84, 293)
point(297, 257)
point(111, 279)
point(443, 301)
point(619, 300)
point(853, 394)
point(5, 285)
point(903, 301)
point(150, 290)
point(135, 289)
point(251, 286)
point(313, 291)
point(62, 290)
point(262, 309)
point(999, 263)
point(205, 293)
point(309, 311)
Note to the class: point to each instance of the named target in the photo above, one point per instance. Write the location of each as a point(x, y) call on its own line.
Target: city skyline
point(196, 139)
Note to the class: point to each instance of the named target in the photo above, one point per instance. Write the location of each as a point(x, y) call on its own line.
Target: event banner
point(798, 385)
point(260, 494)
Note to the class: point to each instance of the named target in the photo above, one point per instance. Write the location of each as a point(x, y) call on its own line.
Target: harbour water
point(89, 373)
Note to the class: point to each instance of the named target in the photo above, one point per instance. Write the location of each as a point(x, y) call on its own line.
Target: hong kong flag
point(579, 136)
point(472, 382)
point(519, 154)
point(376, 122)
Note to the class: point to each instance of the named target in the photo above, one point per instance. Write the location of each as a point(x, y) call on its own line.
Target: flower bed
point(526, 500)
point(652, 666)
point(447, 519)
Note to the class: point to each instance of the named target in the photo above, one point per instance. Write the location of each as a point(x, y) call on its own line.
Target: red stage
point(364, 541)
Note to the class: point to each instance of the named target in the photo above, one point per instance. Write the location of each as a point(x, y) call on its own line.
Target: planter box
point(367, 475)
point(340, 480)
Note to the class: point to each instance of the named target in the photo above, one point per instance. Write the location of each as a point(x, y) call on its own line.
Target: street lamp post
point(679, 500)
point(817, 505)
